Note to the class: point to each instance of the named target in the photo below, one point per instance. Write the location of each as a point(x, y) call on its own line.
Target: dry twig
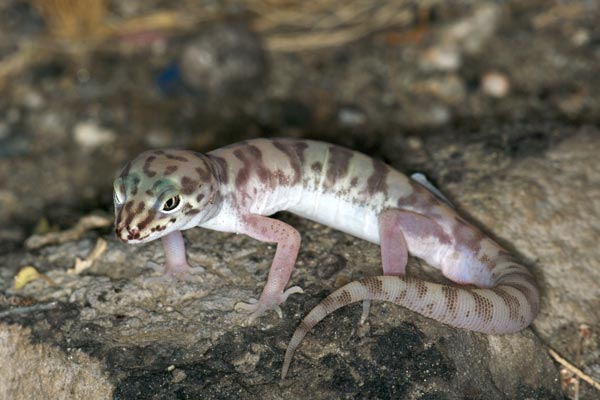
point(580, 374)
point(82, 265)
point(83, 225)
point(298, 26)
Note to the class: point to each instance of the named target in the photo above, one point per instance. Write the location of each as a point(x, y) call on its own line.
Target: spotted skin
point(236, 188)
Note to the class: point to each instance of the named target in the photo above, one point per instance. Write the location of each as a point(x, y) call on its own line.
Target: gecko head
point(162, 191)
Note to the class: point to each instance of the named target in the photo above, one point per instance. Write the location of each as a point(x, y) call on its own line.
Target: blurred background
point(458, 90)
point(87, 84)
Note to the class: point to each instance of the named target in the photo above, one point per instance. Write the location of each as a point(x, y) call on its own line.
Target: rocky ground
point(497, 103)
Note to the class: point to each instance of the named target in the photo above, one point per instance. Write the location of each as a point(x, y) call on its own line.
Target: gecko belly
point(325, 208)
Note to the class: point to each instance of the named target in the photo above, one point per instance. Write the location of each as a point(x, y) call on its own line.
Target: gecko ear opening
point(172, 204)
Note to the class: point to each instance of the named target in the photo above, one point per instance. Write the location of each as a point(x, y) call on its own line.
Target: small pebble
point(449, 88)
point(90, 136)
point(414, 143)
point(580, 38)
point(349, 116)
point(33, 100)
point(83, 75)
point(443, 58)
point(439, 114)
point(158, 138)
point(179, 376)
point(572, 104)
point(495, 84)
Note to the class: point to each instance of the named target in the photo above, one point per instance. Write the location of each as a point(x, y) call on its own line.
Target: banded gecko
point(236, 188)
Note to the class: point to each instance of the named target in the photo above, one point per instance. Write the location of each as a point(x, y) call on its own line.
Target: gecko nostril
point(133, 231)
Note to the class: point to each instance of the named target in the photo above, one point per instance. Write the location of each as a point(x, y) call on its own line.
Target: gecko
point(238, 187)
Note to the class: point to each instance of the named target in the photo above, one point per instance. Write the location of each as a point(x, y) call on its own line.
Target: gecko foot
point(267, 302)
point(181, 272)
point(184, 272)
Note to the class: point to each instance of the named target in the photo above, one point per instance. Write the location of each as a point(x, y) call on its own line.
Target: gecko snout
point(133, 232)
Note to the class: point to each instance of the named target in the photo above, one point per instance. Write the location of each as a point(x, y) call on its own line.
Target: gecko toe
point(266, 303)
point(248, 307)
point(183, 272)
point(290, 291)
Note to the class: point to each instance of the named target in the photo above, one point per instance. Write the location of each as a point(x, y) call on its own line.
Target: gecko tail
point(350, 293)
point(506, 308)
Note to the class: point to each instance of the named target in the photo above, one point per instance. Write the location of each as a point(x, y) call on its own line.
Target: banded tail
point(506, 308)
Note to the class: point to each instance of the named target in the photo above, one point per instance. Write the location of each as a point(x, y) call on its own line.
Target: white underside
point(362, 222)
point(328, 209)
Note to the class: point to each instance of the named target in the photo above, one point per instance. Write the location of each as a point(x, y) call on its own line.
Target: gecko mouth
point(125, 236)
point(134, 240)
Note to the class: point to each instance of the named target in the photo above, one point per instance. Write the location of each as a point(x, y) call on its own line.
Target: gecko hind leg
point(395, 225)
point(394, 251)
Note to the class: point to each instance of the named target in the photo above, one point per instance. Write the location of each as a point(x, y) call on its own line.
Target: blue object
point(169, 82)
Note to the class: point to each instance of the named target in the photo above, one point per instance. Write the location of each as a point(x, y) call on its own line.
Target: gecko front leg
point(288, 239)
point(176, 264)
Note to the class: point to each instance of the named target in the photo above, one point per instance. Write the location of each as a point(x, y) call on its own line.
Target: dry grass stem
point(83, 225)
point(72, 19)
point(299, 26)
point(579, 373)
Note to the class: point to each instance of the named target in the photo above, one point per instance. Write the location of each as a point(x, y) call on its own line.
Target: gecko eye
point(171, 204)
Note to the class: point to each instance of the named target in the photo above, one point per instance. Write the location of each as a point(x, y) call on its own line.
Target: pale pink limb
point(288, 243)
point(394, 251)
point(176, 264)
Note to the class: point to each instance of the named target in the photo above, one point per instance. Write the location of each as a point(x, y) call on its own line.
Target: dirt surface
point(497, 103)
